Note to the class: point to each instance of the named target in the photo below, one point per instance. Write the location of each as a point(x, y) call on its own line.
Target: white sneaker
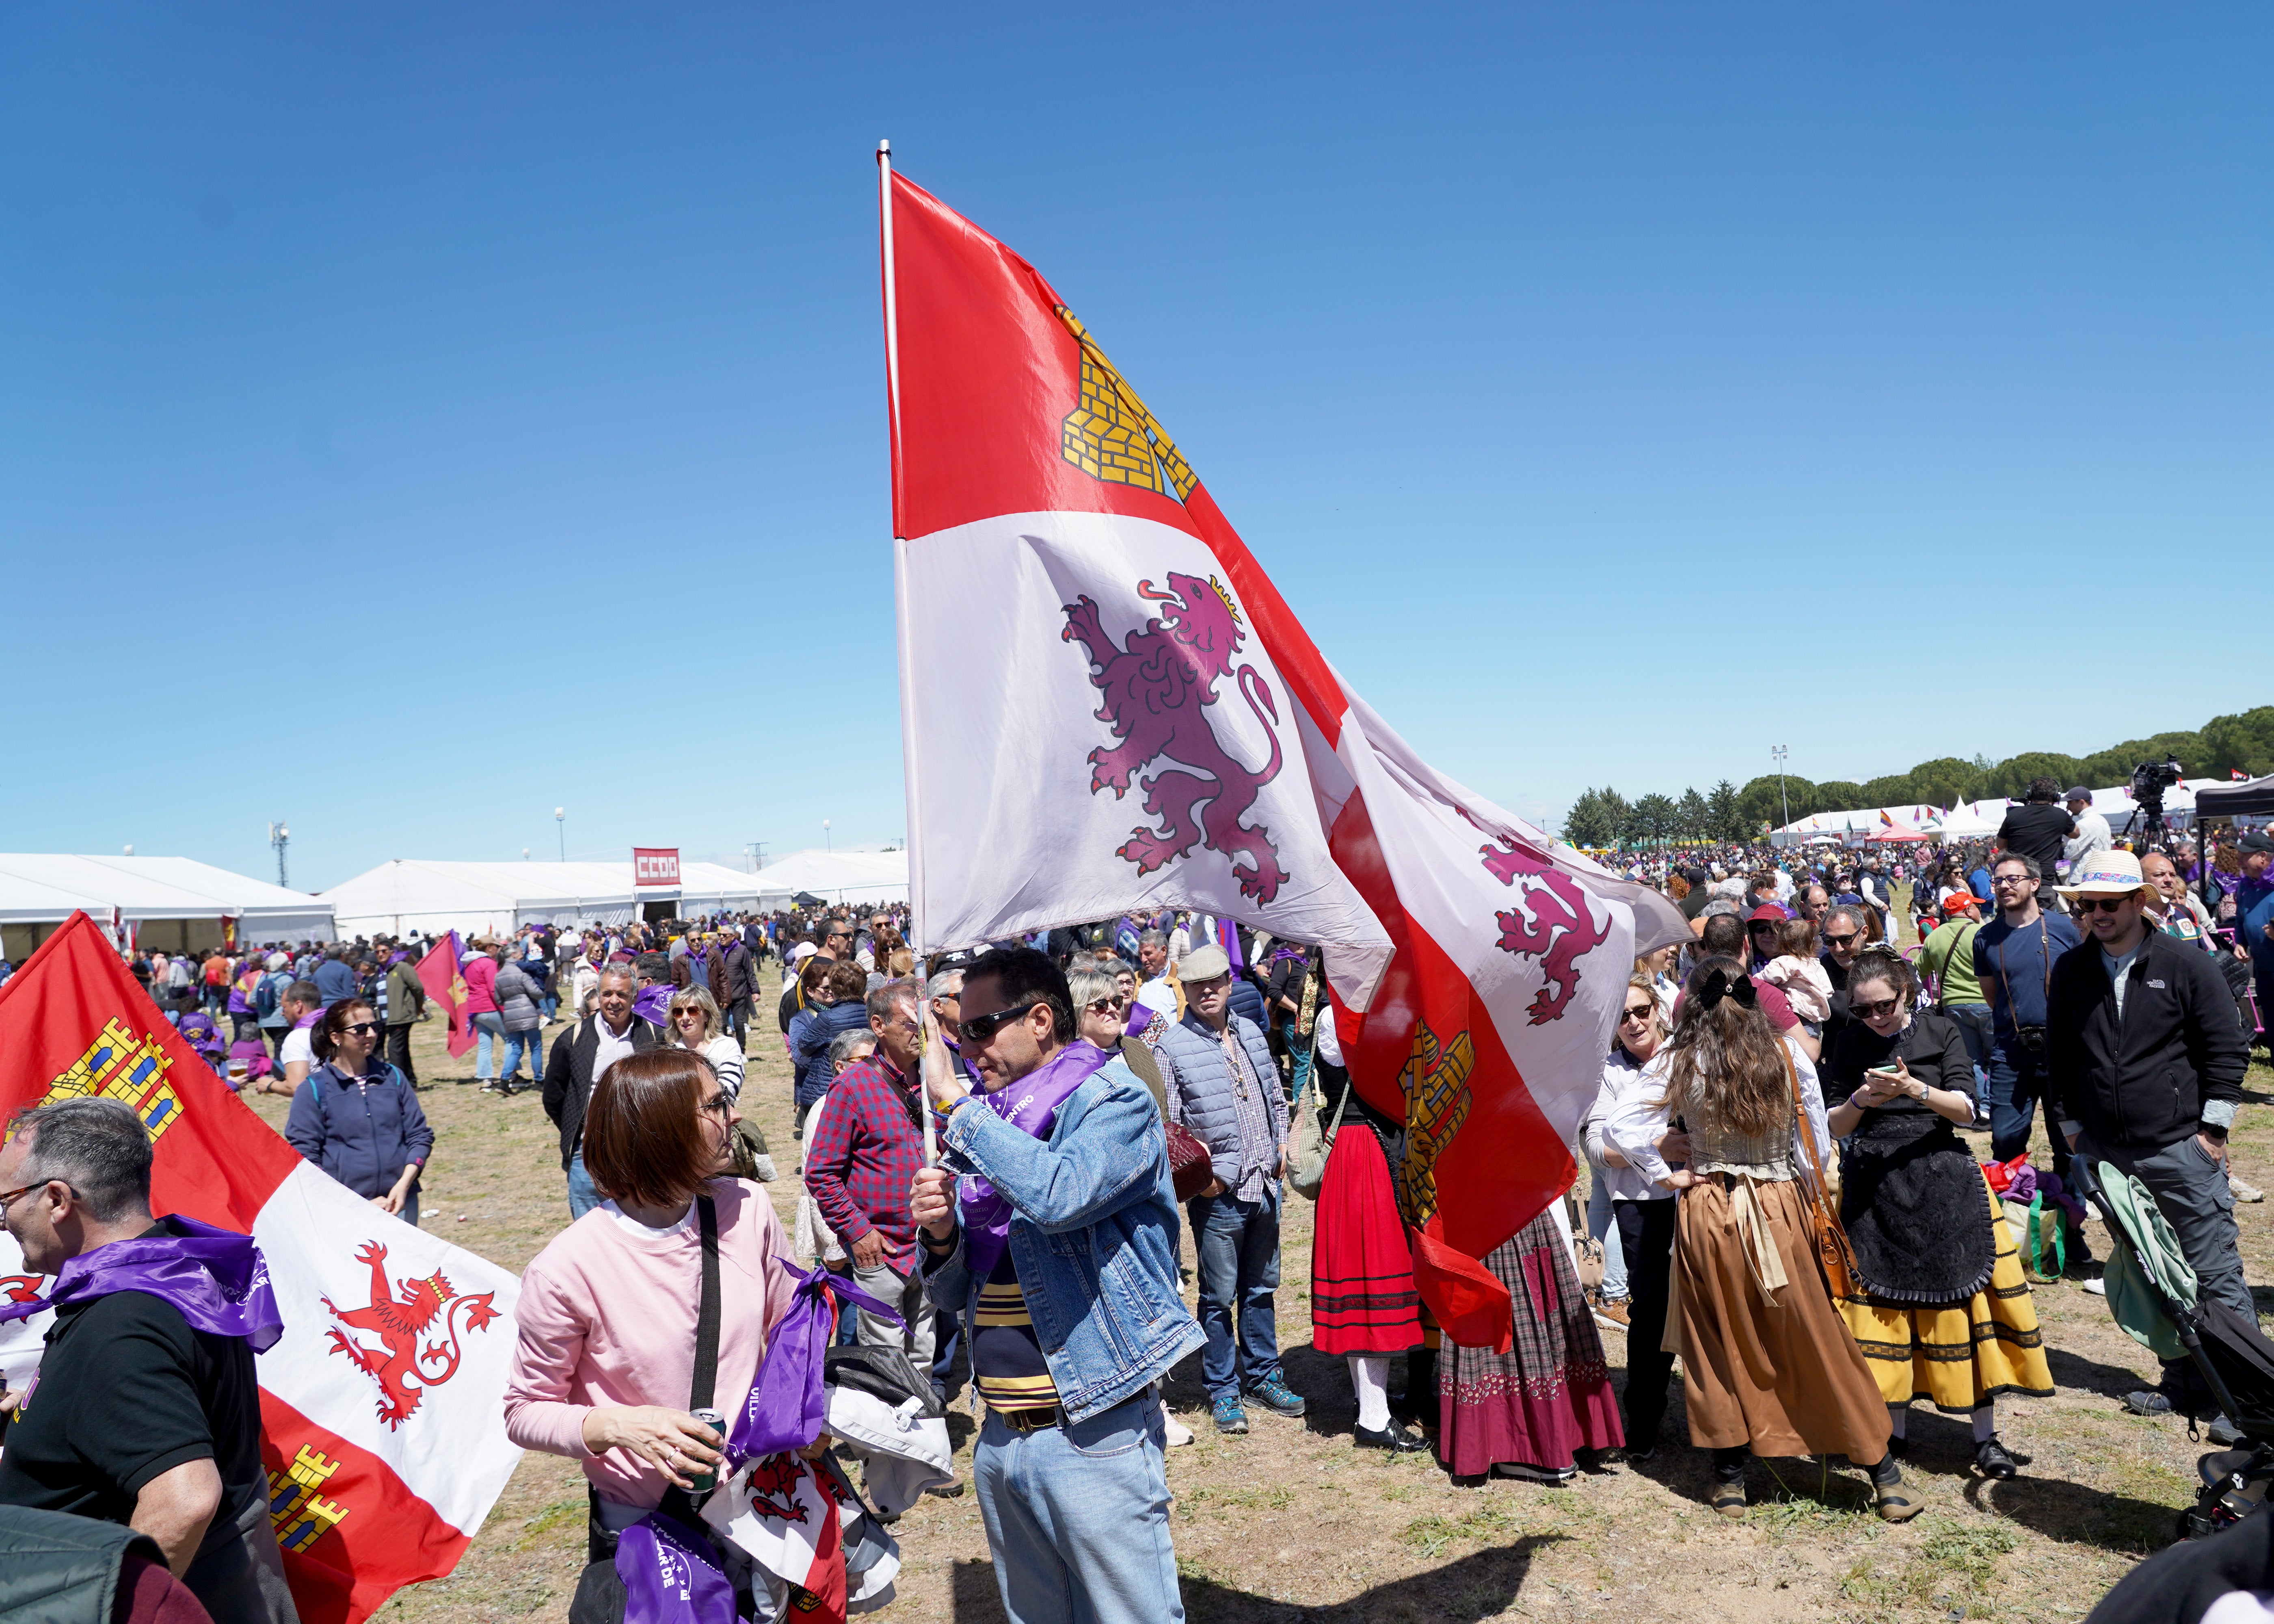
point(2244, 1192)
point(1176, 1433)
point(2096, 1286)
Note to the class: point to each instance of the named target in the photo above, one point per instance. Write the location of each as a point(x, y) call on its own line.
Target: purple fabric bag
point(672, 1575)
point(787, 1403)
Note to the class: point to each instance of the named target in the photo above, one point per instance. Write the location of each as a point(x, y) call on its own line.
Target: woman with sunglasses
point(1768, 1367)
point(1101, 1013)
point(1939, 1304)
point(1636, 1216)
point(356, 1117)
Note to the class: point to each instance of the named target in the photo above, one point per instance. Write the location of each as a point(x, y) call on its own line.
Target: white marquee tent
point(478, 899)
point(1978, 820)
point(835, 876)
point(175, 903)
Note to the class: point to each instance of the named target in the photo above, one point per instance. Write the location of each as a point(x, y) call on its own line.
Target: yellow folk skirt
point(1960, 1357)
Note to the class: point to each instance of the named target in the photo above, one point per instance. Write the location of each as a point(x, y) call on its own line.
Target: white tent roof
point(39, 888)
point(478, 898)
point(1976, 820)
point(835, 876)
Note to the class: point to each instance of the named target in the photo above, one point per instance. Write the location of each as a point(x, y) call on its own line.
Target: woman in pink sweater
point(606, 1354)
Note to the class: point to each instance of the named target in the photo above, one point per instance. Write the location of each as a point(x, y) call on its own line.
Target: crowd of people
point(997, 1151)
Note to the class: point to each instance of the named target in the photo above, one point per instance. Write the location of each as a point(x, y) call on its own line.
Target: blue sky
point(415, 418)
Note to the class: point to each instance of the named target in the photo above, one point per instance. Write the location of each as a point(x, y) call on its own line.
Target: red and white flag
point(1106, 705)
point(379, 1405)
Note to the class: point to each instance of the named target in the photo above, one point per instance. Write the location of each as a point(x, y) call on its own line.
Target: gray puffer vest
point(1199, 1091)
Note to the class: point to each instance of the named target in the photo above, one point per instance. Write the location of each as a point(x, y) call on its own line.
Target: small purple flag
point(672, 1575)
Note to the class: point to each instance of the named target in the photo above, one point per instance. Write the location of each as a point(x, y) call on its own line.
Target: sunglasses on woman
point(1877, 1011)
point(1105, 1006)
point(362, 1029)
point(1640, 1012)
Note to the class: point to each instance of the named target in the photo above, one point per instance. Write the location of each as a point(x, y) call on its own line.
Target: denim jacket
point(1093, 1235)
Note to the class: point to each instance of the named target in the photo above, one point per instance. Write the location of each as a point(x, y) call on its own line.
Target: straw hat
point(2109, 873)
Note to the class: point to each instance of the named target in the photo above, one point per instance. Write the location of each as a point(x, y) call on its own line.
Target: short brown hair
point(846, 982)
point(642, 1140)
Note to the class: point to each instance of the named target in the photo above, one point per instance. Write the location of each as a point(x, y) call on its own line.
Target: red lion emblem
point(773, 1487)
point(21, 1288)
point(399, 1320)
point(1157, 690)
point(1559, 928)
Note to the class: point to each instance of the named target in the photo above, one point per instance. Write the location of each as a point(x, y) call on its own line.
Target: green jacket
point(63, 1569)
point(406, 994)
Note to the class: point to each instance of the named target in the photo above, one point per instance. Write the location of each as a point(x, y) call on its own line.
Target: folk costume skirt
point(1549, 1395)
point(1362, 1296)
point(1957, 1356)
point(1784, 1376)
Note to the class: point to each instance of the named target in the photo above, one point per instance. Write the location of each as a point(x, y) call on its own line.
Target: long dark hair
point(1726, 1067)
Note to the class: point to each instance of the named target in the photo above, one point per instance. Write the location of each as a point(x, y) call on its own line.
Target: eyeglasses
point(1641, 1011)
point(16, 1194)
point(1877, 1011)
point(2102, 905)
point(979, 1028)
point(721, 1105)
point(1106, 1006)
point(2011, 879)
point(1832, 941)
point(362, 1029)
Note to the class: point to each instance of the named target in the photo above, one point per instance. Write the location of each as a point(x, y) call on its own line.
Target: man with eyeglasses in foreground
point(1060, 1246)
point(2147, 1057)
point(2013, 960)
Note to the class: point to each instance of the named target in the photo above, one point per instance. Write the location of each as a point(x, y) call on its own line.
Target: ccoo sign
point(655, 865)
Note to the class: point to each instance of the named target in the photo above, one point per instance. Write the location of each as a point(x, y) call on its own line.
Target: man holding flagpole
point(1065, 1184)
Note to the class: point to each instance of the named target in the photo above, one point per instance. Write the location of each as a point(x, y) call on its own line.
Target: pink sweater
point(608, 1317)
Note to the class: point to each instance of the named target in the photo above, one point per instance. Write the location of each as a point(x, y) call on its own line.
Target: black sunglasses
point(1841, 940)
point(979, 1028)
point(2101, 905)
point(362, 1028)
point(1874, 1012)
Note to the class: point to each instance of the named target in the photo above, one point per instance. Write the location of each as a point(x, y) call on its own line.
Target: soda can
point(703, 1481)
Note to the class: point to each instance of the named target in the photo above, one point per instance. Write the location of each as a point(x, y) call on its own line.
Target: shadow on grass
point(2071, 1369)
point(1477, 1586)
point(2073, 1513)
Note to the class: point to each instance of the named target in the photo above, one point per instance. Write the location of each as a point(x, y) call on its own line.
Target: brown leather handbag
point(1834, 1252)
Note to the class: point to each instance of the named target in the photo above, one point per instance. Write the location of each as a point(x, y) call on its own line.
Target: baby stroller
point(2152, 1294)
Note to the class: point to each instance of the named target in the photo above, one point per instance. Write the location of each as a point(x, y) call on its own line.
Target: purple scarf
point(653, 1003)
point(217, 1278)
point(788, 1402)
point(1030, 1105)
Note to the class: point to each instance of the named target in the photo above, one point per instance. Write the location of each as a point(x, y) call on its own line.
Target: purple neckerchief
point(307, 1020)
point(788, 1401)
point(1030, 1105)
point(217, 1278)
point(653, 1003)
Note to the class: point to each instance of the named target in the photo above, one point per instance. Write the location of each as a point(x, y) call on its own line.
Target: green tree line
point(2242, 743)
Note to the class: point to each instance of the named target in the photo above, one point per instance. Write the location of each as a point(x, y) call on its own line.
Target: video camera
point(2150, 779)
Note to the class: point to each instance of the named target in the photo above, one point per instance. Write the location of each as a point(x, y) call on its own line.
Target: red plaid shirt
point(866, 1148)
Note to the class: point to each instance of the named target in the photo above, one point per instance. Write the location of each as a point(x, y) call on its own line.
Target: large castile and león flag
point(1106, 705)
point(379, 1404)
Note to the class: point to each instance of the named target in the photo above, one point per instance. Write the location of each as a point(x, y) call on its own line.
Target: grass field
point(1290, 1523)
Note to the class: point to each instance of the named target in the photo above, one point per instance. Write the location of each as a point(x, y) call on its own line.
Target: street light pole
point(560, 827)
point(280, 838)
point(824, 836)
point(1783, 805)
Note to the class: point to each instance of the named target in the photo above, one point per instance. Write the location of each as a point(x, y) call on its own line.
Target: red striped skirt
point(1362, 1294)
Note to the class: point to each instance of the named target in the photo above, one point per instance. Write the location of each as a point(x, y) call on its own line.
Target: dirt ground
point(1290, 1523)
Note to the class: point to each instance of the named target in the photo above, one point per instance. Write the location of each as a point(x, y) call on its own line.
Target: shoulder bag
point(1307, 1149)
point(600, 1591)
point(1827, 1236)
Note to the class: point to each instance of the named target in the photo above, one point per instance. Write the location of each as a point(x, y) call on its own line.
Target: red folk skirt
point(1362, 1294)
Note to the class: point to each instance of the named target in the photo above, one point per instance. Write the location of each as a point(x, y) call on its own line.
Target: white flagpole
point(935, 1053)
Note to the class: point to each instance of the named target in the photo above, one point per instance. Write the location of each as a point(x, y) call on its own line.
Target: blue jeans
point(1602, 1223)
point(488, 1026)
point(548, 1006)
point(1077, 1518)
point(1299, 1050)
point(530, 1042)
point(583, 1194)
point(1238, 1247)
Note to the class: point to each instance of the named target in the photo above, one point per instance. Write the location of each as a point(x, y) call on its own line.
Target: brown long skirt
point(1786, 1378)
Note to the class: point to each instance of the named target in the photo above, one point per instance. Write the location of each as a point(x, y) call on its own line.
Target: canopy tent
point(2252, 798)
point(713, 887)
point(1978, 820)
point(1892, 837)
point(175, 903)
point(835, 877)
